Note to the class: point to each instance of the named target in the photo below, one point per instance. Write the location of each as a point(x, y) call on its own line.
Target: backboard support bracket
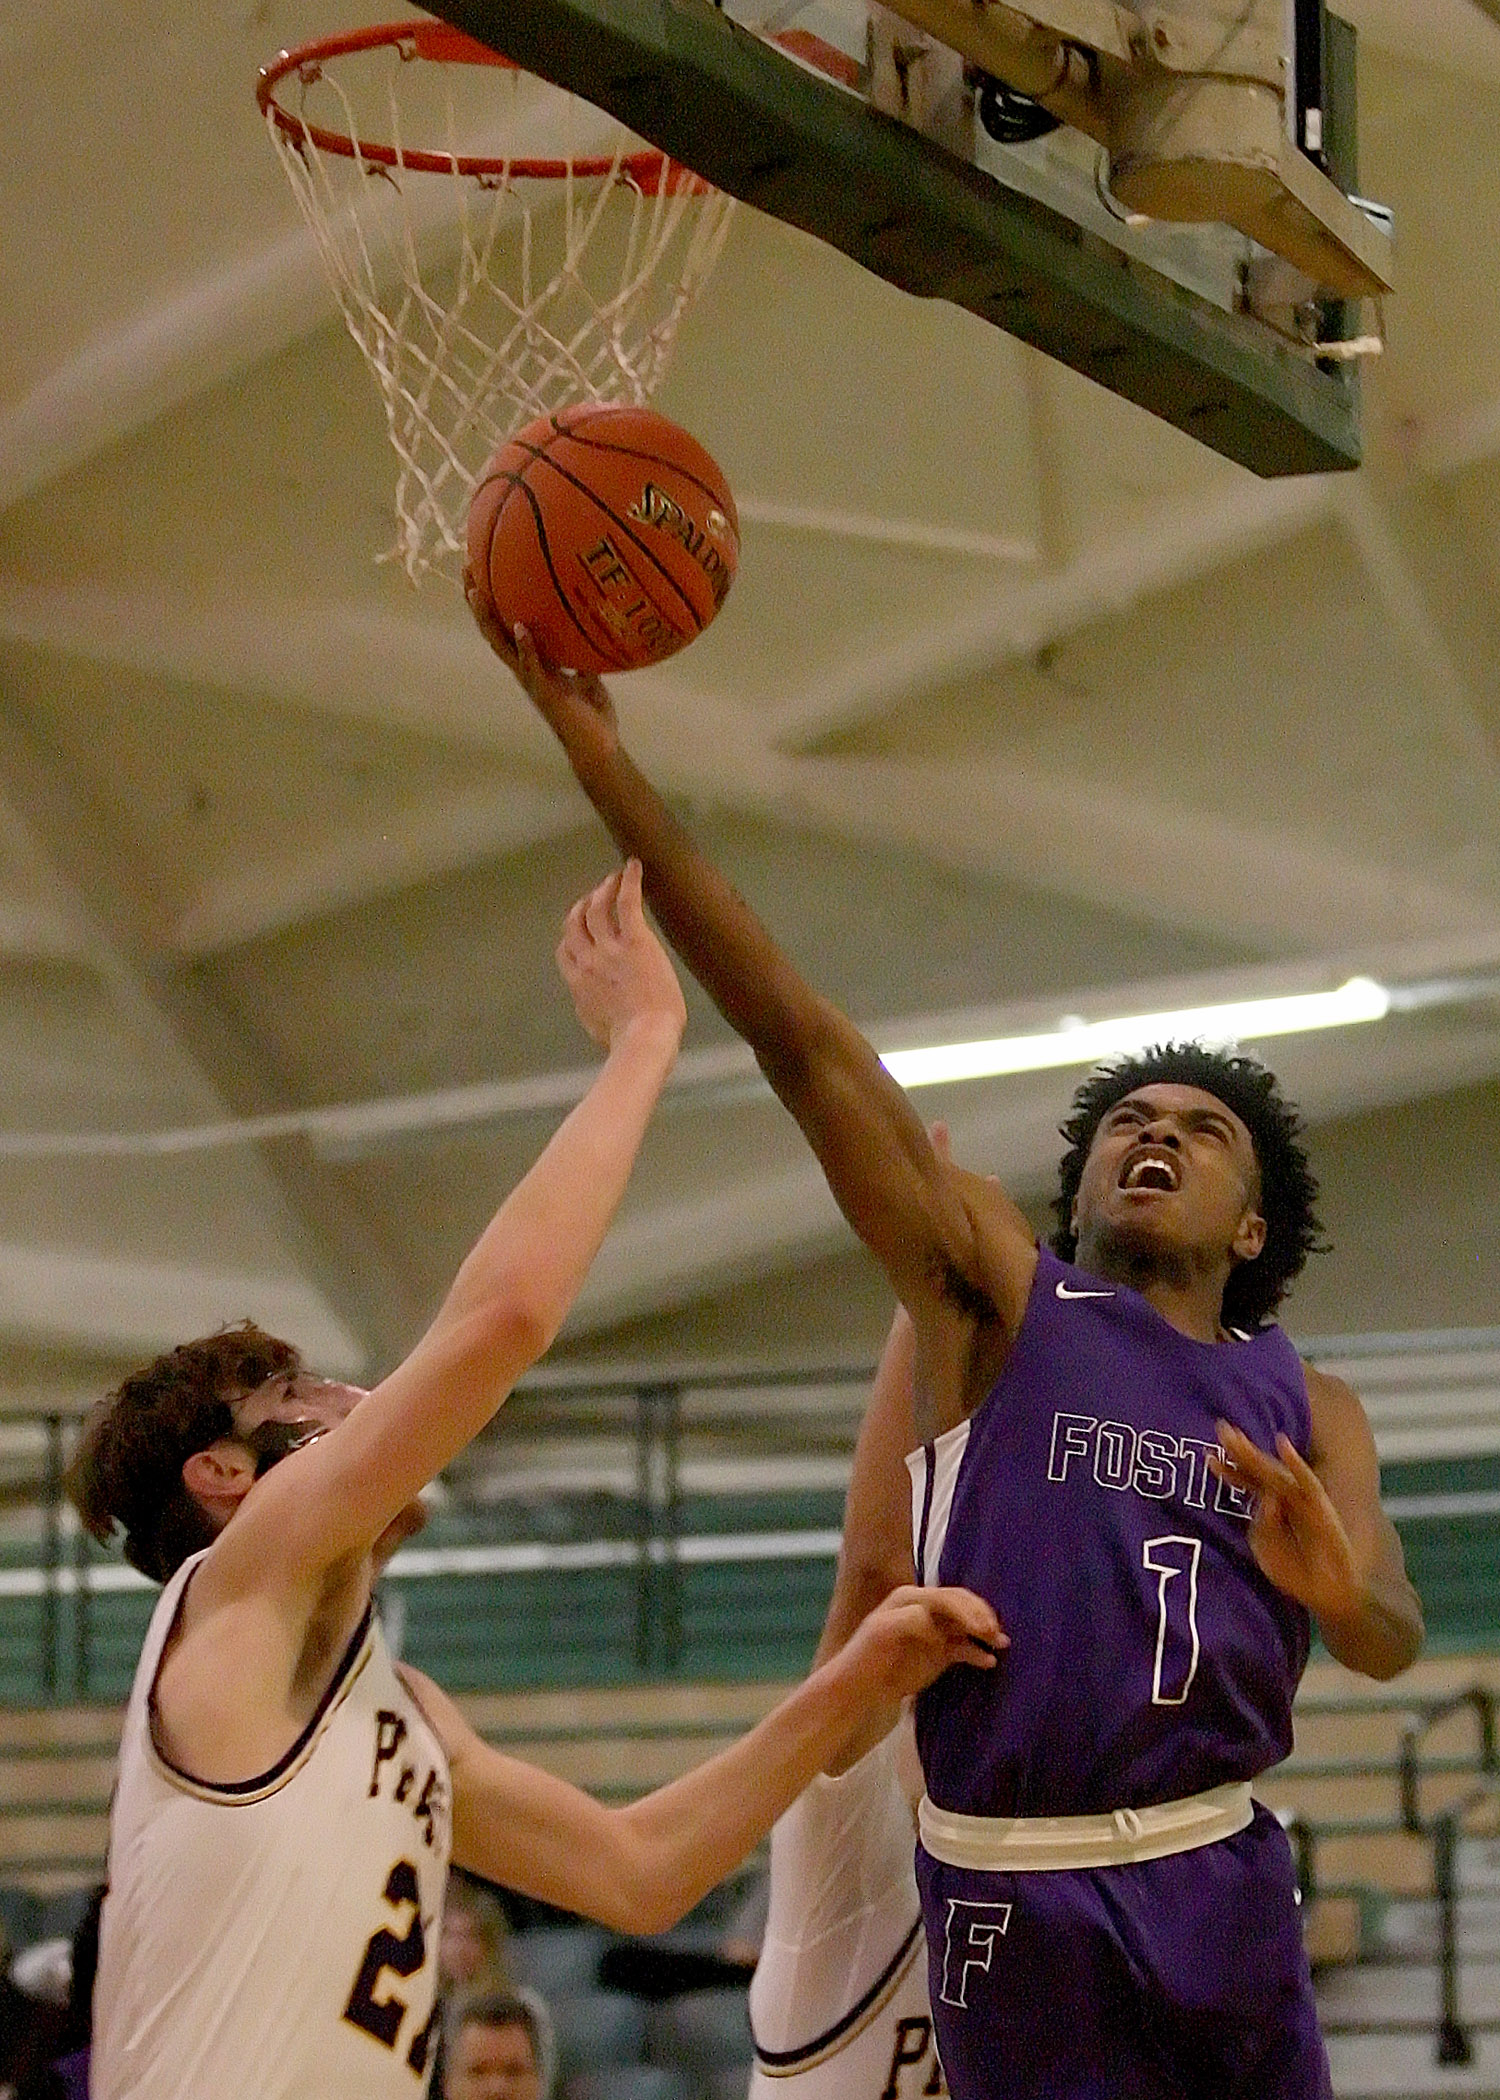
point(689, 80)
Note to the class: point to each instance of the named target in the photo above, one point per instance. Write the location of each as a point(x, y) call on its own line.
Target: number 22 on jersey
point(380, 2016)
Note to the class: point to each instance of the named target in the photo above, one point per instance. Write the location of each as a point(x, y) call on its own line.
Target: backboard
point(1022, 236)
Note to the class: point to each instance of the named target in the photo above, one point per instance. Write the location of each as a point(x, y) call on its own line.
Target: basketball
point(609, 533)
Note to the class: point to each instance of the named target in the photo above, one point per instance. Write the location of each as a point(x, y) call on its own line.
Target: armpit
point(963, 1293)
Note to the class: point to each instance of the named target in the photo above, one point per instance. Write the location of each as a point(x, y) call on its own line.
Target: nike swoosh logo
point(1064, 1292)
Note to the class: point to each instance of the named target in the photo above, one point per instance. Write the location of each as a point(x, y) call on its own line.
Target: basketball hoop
point(551, 261)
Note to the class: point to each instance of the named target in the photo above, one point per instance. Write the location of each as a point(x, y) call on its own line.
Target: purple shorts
point(1175, 1979)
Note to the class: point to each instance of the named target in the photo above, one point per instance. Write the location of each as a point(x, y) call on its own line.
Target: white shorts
point(839, 2006)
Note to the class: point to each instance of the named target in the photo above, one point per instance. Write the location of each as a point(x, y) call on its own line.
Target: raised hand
point(618, 972)
point(1297, 1536)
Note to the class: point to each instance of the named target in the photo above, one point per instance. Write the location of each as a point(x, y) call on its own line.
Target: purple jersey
point(1150, 1658)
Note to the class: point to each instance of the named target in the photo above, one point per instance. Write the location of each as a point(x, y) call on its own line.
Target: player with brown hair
point(287, 1800)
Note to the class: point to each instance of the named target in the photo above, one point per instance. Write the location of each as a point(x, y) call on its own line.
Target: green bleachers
point(715, 1619)
point(750, 1621)
point(1454, 1559)
point(116, 1625)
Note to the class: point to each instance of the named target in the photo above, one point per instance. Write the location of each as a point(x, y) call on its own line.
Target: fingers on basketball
point(610, 533)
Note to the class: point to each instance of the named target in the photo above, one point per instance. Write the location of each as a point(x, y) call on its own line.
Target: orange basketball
point(608, 533)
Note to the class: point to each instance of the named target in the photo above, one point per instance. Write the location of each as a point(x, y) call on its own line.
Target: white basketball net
point(482, 301)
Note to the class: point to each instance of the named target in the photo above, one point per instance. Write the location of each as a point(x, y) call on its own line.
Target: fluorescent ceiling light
point(349, 1130)
point(1086, 1042)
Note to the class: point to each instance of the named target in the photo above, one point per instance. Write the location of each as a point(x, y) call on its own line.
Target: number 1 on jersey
point(1170, 1559)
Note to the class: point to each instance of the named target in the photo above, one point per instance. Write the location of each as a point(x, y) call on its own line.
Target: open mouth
point(1150, 1167)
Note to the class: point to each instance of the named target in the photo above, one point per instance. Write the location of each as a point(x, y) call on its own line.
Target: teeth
point(1156, 1173)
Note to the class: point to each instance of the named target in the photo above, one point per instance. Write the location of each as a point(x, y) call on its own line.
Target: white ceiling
point(1021, 703)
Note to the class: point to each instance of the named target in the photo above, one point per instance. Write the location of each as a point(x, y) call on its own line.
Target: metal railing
point(1443, 1830)
point(666, 1429)
point(1475, 1699)
point(1419, 1384)
point(1307, 1834)
point(661, 1433)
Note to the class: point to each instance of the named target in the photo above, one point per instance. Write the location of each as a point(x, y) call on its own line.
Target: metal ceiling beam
point(1177, 545)
point(399, 849)
point(1451, 712)
point(431, 677)
point(1049, 831)
point(212, 326)
point(124, 930)
point(1259, 885)
point(129, 1309)
point(997, 820)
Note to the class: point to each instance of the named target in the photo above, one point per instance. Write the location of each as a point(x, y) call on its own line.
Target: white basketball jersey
point(839, 2006)
point(276, 1939)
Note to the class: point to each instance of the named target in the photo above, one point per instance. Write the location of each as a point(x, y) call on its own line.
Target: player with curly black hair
point(1131, 1463)
point(1288, 1186)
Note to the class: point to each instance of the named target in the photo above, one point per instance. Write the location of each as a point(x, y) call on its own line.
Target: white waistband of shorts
point(1037, 1844)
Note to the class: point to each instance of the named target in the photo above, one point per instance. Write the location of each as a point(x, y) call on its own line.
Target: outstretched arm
point(513, 1291)
point(640, 1868)
point(954, 1248)
point(1321, 1536)
point(875, 1555)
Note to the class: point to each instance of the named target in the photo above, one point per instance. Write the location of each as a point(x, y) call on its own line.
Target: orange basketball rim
point(499, 249)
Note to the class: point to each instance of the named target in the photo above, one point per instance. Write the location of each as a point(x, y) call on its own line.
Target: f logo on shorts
point(969, 1943)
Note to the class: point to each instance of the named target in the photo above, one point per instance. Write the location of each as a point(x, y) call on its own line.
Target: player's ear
point(1250, 1236)
point(219, 1477)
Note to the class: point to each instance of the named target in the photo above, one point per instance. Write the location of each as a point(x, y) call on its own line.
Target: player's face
point(284, 1413)
point(492, 2063)
point(1171, 1168)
